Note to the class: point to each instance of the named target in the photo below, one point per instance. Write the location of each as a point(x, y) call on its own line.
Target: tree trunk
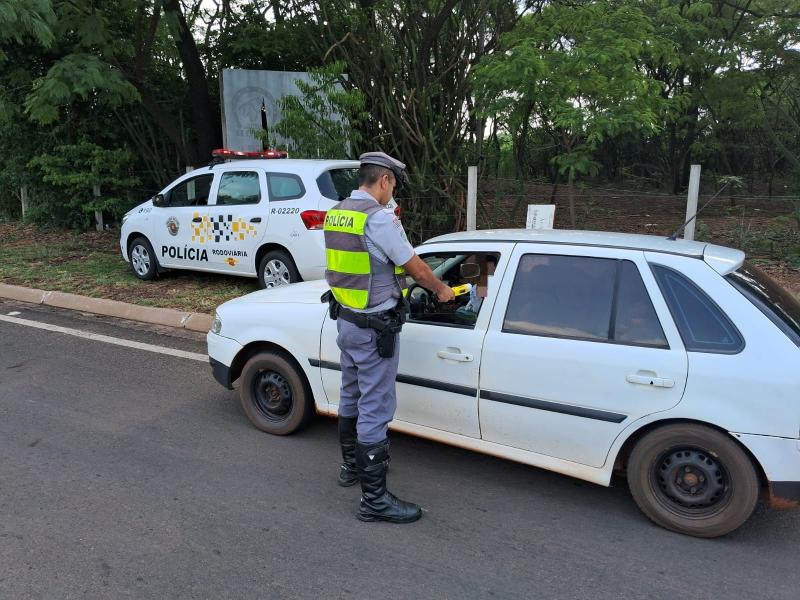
point(571, 195)
point(204, 118)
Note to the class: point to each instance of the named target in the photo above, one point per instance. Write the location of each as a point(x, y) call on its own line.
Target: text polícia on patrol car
point(185, 253)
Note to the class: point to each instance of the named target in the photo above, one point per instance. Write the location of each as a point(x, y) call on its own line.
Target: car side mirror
point(470, 270)
point(158, 200)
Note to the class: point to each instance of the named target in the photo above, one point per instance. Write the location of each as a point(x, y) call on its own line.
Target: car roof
point(291, 165)
point(722, 259)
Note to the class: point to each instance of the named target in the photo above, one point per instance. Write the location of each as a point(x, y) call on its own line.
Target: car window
point(473, 270)
point(562, 296)
point(582, 298)
point(770, 298)
point(285, 186)
point(238, 187)
point(192, 192)
point(338, 184)
point(635, 321)
point(702, 324)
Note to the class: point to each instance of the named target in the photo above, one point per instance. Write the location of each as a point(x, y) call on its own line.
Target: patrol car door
point(237, 220)
point(441, 344)
point(580, 345)
point(175, 223)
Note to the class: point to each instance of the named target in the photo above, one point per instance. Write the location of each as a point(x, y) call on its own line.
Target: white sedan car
point(257, 217)
point(584, 353)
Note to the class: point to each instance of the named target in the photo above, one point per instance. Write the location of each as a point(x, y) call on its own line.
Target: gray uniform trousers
point(368, 381)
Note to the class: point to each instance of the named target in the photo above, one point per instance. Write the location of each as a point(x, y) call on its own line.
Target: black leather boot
point(378, 503)
point(348, 472)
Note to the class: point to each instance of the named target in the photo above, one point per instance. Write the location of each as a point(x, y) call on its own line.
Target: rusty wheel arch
point(621, 460)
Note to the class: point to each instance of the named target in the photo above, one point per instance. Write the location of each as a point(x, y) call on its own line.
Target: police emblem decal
point(173, 226)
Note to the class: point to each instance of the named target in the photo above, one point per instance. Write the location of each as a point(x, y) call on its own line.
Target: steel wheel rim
point(140, 258)
point(276, 274)
point(272, 395)
point(690, 482)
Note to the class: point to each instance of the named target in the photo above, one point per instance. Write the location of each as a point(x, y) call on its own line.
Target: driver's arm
point(423, 275)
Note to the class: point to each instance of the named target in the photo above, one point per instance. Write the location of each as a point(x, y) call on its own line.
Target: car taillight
point(313, 219)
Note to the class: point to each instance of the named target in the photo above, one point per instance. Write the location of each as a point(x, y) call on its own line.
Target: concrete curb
point(200, 322)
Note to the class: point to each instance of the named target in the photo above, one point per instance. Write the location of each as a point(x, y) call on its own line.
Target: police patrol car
point(253, 216)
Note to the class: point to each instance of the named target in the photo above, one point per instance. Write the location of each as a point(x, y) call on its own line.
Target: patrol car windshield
point(337, 184)
point(770, 298)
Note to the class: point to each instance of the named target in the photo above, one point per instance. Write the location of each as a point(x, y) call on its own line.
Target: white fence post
point(98, 214)
point(23, 198)
point(691, 202)
point(472, 198)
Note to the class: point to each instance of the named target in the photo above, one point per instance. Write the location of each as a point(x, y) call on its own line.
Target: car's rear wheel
point(277, 268)
point(274, 394)
point(693, 479)
point(144, 263)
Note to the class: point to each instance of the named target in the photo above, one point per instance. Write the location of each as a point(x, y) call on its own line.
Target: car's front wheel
point(143, 260)
point(693, 479)
point(277, 268)
point(274, 394)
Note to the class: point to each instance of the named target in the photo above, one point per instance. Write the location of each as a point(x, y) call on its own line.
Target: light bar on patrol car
point(226, 154)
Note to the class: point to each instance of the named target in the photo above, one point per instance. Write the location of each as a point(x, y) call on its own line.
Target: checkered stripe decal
point(222, 228)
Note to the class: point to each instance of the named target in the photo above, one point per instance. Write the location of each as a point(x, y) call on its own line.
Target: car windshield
point(770, 298)
point(337, 184)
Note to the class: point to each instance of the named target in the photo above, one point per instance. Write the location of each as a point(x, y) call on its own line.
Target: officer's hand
point(445, 293)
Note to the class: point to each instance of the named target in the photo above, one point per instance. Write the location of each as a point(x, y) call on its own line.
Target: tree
point(560, 71)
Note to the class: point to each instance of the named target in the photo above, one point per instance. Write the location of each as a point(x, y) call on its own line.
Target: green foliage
point(578, 81)
point(325, 122)
point(80, 75)
point(74, 170)
point(25, 19)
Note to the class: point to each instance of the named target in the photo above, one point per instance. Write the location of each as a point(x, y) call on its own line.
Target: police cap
point(387, 162)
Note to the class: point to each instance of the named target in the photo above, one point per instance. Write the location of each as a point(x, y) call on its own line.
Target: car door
point(440, 345)
point(175, 223)
point(580, 345)
point(238, 217)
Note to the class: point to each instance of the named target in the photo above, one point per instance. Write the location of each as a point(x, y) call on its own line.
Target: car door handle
point(255, 220)
point(456, 355)
point(197, 220)
point(650, 379)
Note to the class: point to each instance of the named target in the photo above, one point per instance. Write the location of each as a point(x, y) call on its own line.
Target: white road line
point(105, 338)
point(14, 313)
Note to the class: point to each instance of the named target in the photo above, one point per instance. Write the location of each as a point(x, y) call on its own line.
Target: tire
point(693, 480)
point(274, 394)
point(276, 268)
point(144, 263)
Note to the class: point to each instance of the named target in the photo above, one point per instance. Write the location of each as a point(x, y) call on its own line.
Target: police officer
point(368, 257)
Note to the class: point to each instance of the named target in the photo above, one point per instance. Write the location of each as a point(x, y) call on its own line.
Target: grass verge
point(90, 264)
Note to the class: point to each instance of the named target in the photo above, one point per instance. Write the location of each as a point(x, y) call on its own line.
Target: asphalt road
point(130, 474)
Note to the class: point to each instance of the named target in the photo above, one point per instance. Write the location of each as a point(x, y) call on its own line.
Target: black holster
point(333, 305)
point(387, 324)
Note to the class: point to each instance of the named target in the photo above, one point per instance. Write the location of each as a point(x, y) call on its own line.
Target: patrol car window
point(192, 192)
point(562, 296)
point(238, 187)
point(464, 310)
point(702, 324)
point(338, 184)
point(285, 186)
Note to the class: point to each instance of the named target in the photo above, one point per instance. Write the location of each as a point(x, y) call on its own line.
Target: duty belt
point(377, 321)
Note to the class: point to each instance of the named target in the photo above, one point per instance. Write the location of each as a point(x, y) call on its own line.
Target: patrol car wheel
point(274, 394)
point(143, 260)
point(693, 480)
point(277, 268)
